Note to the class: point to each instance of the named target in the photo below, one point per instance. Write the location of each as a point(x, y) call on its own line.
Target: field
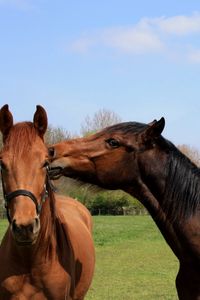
point(133, 261)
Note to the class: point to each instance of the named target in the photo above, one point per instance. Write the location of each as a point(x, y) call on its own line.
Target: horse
point(136, 158)
point(47, 251)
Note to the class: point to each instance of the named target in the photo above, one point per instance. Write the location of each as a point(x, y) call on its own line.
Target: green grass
point(3, 226)
point(133, 262)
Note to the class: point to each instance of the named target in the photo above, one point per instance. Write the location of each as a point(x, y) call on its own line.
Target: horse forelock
point(21, 138)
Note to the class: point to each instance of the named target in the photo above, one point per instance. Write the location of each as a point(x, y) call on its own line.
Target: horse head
point(23, 161)
point(110, 158)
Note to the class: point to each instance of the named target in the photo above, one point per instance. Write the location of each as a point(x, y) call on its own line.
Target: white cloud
point(176, 25)
point(83, 44)
point(132, 40)
point(149, 35)
point(180, 25)
point(194, 56)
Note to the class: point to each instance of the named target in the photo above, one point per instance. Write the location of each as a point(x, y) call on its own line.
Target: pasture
point(133, 262)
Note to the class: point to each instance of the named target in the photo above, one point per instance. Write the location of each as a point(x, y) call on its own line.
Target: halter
point(21, 192)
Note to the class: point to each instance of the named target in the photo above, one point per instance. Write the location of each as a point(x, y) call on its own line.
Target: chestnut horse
point(47, 251)
point(136, 158)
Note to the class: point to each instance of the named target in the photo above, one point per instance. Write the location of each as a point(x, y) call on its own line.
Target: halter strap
point(8, 197)
point(21, 192)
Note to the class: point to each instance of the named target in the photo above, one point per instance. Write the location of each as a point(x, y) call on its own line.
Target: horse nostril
point(15, 227)
point(31, 228)
point(36, 225)
point(37, 221)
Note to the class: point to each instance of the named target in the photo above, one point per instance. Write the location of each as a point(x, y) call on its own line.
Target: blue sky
point(140, 59)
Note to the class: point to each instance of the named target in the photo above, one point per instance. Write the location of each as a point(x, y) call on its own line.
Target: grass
point(3, 226)
point(133, 262)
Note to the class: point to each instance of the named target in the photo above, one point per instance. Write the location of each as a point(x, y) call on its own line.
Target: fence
point(3, 214)
point(123, 211)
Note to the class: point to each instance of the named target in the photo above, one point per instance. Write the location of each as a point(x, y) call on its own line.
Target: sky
point(139, 59)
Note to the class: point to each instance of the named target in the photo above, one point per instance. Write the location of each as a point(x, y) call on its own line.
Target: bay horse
point(47, 251)
point(136, 158)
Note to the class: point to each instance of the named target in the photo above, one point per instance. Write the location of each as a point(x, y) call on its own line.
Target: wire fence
point(120, 211)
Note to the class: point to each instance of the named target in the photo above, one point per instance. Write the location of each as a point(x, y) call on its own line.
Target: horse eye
point(46, 164)
point(113, 143)
point(51, 152)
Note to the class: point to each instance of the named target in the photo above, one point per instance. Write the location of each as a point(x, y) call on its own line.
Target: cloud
point(194, 56)
point(18, 4)
point(166, 35)
point(83, 44)
point(132, 40)
point(180, 25)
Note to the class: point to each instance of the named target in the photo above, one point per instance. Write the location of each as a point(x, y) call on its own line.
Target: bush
point(99, 201)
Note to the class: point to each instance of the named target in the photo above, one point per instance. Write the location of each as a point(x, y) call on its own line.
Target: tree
point(101, 119)
point(191, 152)
point(56, 134)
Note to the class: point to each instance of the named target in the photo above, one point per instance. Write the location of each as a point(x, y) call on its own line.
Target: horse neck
point(171, 195)
point(152, 204)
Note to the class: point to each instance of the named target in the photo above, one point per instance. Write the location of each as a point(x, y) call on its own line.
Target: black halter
point(21, 192)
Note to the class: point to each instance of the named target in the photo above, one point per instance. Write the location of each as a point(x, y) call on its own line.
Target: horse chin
point(25, 242)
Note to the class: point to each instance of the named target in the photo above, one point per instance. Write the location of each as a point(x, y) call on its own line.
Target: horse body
point(20, 280)
point(135, 157)
point(56, 270)
point(47, 251)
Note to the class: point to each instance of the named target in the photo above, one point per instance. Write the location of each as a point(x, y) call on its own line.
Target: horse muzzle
point(25, 234)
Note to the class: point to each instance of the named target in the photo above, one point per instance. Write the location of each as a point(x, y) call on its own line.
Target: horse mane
point(125, 128)
point(48, 218)
point(182, 190)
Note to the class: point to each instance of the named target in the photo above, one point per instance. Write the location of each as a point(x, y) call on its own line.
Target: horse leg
point(187, 285)
point(181, 288)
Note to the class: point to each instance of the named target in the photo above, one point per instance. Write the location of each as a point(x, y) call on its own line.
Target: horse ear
point(154, 130)
point(6, 121)
point(40, 120)
point(153, 122)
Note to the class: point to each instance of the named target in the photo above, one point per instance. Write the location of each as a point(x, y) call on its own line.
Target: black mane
point(125, 128)
point(182, 190)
